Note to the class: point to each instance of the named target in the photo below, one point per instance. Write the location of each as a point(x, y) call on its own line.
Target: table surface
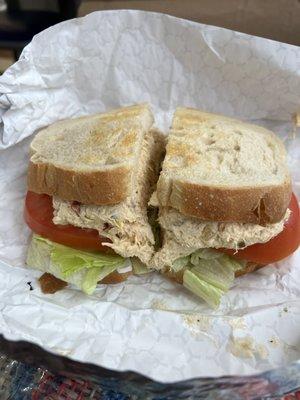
point(20, 381)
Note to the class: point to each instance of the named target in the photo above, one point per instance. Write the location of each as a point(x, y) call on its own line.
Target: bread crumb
point(242, 347)
point(237, 323)
point(197, 322)
point(274, 341)
point(201, 326)
point(159, 305)
point(246, 347)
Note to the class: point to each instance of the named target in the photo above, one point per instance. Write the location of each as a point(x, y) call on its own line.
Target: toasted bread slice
point(125, 224)
point(220, 169)
point(92, 159)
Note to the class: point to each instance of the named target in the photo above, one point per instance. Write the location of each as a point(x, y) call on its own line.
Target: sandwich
point(225, 202)
point(89, 184)
point(100, 208)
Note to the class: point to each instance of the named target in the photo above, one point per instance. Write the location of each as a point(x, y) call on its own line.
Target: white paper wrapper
point(111, 59)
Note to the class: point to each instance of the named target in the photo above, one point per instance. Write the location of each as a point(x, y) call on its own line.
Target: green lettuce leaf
point(180, 263)
point(38, 255)
point(72, 260)
point(209, 293)
point(93, 276)
point(208, 273)
point(215, 273)
point(84, 269)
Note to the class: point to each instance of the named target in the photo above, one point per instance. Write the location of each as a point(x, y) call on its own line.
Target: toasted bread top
point(90, 159)
point(221, 169)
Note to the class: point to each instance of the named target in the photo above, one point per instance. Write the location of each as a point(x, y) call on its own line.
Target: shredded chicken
point(183, 236)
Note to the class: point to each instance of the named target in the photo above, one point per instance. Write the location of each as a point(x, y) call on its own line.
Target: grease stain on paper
point(159, 305)
point(199, 326)
point(197, 322)
point(246, 347)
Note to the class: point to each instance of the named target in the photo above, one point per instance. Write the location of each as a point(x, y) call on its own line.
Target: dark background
point(274, 19)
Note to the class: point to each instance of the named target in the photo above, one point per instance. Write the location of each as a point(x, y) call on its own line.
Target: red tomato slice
point(38, 214)
point(277, 248)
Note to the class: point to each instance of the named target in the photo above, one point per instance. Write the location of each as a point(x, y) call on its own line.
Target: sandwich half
point(89, 183)
point(225, 202)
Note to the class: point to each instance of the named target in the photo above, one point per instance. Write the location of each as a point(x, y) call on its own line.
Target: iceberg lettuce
point(208, 273)
point(82, 268)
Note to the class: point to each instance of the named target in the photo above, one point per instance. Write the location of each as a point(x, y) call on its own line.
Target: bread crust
point(89, 187)
point(256, 205)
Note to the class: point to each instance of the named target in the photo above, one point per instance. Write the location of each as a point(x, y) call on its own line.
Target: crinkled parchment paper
point(111, 59)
